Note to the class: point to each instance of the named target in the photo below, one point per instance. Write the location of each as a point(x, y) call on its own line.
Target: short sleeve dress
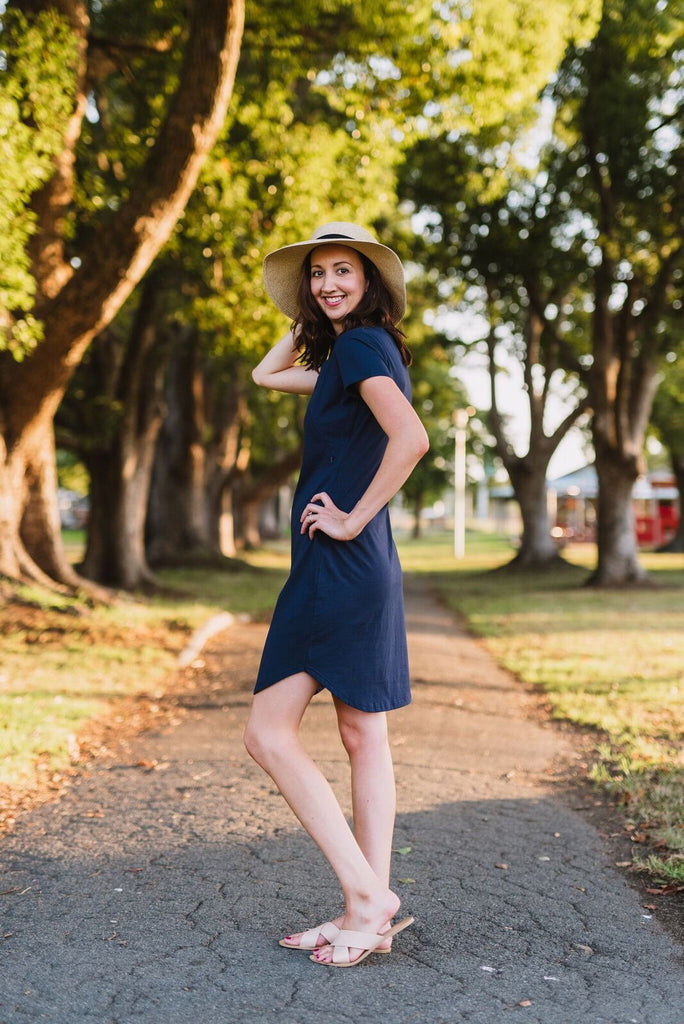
point(340, 614)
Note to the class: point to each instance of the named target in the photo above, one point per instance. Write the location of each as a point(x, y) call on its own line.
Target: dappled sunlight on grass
point(434, 552)
point(248, 590)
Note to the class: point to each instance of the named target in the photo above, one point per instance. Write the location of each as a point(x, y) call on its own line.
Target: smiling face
point(337, 282)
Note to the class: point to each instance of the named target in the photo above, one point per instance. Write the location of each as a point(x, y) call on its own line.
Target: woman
point(339, 621)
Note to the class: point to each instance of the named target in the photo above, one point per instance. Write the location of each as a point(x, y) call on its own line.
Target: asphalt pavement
point(156, 888)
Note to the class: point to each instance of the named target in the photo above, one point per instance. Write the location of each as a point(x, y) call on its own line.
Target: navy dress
point(340, 615)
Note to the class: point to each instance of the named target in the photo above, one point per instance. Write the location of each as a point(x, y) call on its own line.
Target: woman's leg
point(272, 739)
point(366, 741)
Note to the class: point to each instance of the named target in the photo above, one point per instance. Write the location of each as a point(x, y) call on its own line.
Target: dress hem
point(323, 685)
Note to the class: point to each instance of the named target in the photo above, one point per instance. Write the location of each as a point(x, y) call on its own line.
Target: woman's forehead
point(333, 253)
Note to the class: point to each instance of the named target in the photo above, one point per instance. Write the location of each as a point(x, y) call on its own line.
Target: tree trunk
point(226, 525)
point(29, 515)
point(676, 544)
point(250, 534)
point(618, 561)
point(75, 304)
point(120, 474)
point(200, 448)
point(537, 548)
point(249, 494)
point(175, 522)
point(528, 472)
point(417, 510)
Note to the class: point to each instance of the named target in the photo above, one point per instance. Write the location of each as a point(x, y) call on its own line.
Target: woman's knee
point(252, 740)
point(361, 731)
point(266, 744)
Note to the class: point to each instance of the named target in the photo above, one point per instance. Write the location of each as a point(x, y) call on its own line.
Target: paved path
point(154, 890)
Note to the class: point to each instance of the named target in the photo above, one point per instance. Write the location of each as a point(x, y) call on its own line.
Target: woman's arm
point(407, 443)
point(278, 369)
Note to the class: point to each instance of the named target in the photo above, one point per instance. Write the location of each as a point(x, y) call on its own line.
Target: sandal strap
point(309, 939)
point(357, 940)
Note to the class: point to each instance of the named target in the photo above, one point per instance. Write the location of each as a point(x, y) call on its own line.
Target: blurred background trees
point(524, 157)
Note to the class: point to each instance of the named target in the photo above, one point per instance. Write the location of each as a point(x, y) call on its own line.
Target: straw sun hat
point(282, 267)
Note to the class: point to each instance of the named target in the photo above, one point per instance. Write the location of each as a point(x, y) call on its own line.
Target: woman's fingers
point(321, 513)
point(324, 499)
point(311, 509)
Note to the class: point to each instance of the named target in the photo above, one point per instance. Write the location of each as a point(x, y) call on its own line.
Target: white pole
point(460, 423)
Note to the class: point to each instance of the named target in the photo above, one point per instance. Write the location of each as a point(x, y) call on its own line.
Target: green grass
point(608, 660)
point(66, 664)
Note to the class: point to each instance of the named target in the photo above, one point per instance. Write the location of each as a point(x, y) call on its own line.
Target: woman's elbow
point(258, 376)
point(420, 445)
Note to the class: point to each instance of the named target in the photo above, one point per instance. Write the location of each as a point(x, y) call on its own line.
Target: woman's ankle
point(380, 904)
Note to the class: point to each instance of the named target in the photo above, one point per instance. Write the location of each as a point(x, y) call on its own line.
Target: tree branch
point(110, 269)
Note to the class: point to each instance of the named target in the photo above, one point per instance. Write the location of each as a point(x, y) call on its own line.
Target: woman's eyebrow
point(337, 263)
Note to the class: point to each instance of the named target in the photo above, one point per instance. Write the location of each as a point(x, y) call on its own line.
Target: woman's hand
point(322, 514)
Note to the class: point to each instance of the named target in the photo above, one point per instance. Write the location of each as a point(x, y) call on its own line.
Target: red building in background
point(572, 506)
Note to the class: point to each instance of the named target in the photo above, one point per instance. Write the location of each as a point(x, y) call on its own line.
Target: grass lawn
point(610, 660)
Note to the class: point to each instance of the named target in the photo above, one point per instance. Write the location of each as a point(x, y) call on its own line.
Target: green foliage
point(71, 473)
point(617, 149)
point(135, 52)
point(326, 98)
point(582, 215)
point(36, 100)
point(503, 52)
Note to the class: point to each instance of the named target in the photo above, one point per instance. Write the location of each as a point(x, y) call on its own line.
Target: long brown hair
point(314, 331)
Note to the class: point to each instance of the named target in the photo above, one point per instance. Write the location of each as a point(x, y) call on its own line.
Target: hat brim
point(283, 266)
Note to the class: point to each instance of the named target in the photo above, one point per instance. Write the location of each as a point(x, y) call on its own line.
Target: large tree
point(79, 289)
point(581, 266)
point(497, 262)
point(618, 161)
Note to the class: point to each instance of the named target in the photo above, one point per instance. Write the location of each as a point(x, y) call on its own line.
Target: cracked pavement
point(155, 889)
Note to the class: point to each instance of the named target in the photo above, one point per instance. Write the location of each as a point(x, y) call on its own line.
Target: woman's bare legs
point(365, 739)
point(272, 739)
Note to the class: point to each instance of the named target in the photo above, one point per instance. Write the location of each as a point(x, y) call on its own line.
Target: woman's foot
point(315, 938)
point(372, 916)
